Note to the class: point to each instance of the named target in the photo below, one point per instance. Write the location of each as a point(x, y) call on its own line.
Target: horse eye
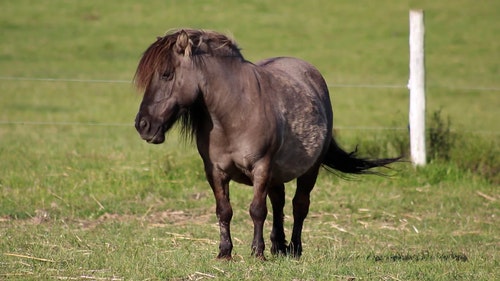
point(167, 75)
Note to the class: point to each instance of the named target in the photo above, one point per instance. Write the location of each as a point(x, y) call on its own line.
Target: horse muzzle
point(152, 132)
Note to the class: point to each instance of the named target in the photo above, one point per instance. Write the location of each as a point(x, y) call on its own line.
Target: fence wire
point(119, 81)
point(373, 86)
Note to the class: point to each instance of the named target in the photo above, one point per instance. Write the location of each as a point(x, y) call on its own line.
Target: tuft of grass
point(474, 153)
point(478, 155)
point(440, 138)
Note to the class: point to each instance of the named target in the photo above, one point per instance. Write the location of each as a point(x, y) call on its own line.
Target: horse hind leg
point(277, 197)
point(301, 202)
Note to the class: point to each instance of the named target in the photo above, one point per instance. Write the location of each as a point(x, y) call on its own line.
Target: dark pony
point(260, 124)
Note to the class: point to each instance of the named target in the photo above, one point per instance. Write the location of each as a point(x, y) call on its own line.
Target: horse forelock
point(157, 56)
point(154, 60)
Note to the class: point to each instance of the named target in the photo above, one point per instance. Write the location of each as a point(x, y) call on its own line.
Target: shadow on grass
point(422, 256)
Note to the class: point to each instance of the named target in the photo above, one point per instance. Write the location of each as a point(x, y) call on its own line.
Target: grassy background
point(82, 197)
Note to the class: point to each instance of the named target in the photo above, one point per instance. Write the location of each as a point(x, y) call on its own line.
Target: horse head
point(170, 84)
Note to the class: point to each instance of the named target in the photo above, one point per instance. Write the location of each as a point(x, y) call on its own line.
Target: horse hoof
point(261, 257)
point(221, 257)
point(294, 252)
point(279, 250)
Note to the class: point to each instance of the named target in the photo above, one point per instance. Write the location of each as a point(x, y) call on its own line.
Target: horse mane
point(157, 58)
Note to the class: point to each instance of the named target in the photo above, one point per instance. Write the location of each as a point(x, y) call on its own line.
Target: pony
point(261, 124)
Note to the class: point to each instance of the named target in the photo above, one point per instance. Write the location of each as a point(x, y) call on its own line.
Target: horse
point(261, 124)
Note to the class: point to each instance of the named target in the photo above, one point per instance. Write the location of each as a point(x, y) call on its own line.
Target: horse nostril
point(143, 124)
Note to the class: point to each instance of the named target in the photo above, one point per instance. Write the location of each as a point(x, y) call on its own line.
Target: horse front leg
point(258, 208)
point(220, 187)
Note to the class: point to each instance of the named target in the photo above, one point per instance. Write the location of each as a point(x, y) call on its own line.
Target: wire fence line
point(118, 81)
point(92, 81)
point(65, 123)
point(131, 125)
point(91, 124)
point(373, 86)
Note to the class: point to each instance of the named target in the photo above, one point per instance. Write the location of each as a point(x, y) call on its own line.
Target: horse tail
point(338, 159)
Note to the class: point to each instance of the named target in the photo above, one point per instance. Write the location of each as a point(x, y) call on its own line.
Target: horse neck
point(229, 83)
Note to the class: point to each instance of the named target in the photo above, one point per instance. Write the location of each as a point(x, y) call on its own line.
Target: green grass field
point(82, 197)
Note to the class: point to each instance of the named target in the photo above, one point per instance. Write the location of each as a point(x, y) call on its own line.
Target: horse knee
point(224, 212)
point(258, 212)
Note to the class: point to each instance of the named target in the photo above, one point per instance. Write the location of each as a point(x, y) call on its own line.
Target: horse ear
point(183, 43)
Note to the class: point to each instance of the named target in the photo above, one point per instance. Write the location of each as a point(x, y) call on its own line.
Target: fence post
point(416, 85)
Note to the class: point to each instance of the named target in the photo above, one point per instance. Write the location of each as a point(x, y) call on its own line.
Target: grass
point(422, 228)
point(82, 197)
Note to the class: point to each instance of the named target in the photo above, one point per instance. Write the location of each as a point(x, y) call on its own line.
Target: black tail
point(340, 160)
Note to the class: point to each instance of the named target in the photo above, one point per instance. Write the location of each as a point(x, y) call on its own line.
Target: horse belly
point(303, 144)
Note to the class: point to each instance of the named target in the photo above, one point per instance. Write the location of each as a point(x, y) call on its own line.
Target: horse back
point(298, 70)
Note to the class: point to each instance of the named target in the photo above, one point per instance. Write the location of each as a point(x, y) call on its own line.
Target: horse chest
point(234, 157)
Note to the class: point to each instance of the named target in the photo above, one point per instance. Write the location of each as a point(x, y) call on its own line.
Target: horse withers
point(260, 124)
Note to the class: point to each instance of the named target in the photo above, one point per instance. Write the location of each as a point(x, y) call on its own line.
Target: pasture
point(82, 197)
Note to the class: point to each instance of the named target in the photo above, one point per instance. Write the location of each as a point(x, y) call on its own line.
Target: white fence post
point(416, 85)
